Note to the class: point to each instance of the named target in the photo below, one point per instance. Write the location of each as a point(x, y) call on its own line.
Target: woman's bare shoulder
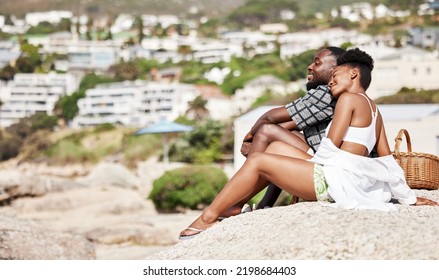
point(347, 99)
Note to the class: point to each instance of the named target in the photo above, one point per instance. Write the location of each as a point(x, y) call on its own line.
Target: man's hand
point(246, 144)
point(245, 148)
point(421, 201)
point(248, 137)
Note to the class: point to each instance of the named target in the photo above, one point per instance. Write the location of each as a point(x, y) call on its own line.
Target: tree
point(7, 73)
point(29, 60)
point(67, 106)
point(185, 51)
point(24, 65)
point(257, 12)
point(88, 35)
point(126, 71)
point(139, 25)
point(197, 109)
point(1, 133)
point(299, 64)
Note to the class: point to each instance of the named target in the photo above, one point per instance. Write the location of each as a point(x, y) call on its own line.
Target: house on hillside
point(253, 89)
point(425, 37)
point(218, 104)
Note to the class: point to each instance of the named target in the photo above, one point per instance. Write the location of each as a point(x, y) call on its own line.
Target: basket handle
point(398, 140)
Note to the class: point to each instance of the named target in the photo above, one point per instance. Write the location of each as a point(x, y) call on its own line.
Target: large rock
point(308, 230)
point(22, 240)
point(105, 215)
point(15, 184)
point(111, 174)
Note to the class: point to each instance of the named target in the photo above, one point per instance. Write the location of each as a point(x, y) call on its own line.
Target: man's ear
point(354, 73)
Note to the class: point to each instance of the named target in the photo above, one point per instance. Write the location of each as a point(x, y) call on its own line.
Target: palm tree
point(197, 109)
point(1, 134)
point(185, 51)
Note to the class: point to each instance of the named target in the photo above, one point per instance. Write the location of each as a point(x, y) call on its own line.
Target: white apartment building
point(357, 11)
point(204, 50)
point(137, 103)
point(28, 94)
point(298, 42)
point(54, 17)
point(123, 22)
point(273, 28)
point(403, 67)
point(212, 51)
point(92, 55)
point(81, 54)
point(257, 42)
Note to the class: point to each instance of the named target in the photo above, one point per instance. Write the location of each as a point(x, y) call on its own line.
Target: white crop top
point(361, 135)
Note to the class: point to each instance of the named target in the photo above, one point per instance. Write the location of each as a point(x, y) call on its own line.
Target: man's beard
point(314, 84)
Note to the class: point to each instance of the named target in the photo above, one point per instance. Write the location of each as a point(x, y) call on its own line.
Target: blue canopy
point(164, 127)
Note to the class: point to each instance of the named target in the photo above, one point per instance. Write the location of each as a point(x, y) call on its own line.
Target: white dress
point(358, 182)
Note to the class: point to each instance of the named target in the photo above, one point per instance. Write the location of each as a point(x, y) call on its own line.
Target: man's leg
point(271, 195)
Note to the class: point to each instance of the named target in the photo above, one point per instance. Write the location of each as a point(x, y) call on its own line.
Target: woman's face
point(341, 80)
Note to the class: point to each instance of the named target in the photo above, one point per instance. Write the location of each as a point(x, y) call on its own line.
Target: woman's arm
point(343, 113)
point(382, 145)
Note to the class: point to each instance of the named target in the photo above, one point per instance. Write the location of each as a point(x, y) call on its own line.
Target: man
point(310, 114)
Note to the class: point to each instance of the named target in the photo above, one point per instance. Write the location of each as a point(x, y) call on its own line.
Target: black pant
point(271, 195)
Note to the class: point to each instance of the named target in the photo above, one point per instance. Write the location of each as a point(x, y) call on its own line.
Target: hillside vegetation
point(135, 7)
point(212, 8)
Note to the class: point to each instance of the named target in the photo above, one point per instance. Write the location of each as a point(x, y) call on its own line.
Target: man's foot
point(232, 211)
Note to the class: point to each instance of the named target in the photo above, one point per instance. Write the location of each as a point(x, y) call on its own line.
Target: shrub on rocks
point(191, 187)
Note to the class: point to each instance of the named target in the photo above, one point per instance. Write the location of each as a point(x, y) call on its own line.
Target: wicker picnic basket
point(421, 169)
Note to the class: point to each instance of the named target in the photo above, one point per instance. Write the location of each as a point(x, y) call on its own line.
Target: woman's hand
point(421, 201)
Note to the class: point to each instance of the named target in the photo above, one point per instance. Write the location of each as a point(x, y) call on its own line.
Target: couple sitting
point(340, 174)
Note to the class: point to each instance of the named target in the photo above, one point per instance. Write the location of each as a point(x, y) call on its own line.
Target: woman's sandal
point(186, 237)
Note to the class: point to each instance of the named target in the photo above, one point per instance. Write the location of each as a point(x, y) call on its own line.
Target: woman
point(340, 174)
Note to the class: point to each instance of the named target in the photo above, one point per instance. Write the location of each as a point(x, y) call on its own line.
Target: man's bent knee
point(268, 131)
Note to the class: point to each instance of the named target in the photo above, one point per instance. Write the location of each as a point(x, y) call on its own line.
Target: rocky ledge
point(309, 231)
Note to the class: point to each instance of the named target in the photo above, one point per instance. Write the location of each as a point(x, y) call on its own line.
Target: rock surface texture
point(309, 231)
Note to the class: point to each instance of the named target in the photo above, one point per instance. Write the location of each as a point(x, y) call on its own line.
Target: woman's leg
point(276, 147)
point(253, 177)
point(265, 136)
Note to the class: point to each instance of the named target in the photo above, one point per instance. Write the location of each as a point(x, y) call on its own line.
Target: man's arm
point(277, 115)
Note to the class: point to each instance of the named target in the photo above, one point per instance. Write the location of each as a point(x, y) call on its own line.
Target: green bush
point(9, 147)
point(191, 187)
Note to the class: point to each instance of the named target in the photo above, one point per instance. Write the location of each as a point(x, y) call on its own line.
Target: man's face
point(320, 70)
